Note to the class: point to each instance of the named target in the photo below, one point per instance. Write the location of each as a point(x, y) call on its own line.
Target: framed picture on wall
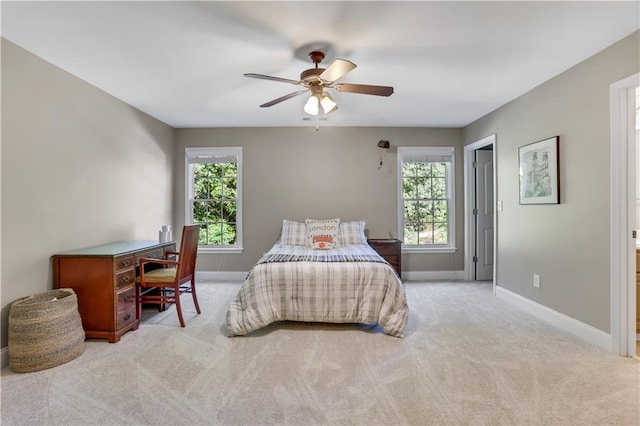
point(539, 166)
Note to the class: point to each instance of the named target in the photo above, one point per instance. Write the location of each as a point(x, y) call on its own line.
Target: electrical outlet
point(536, 280)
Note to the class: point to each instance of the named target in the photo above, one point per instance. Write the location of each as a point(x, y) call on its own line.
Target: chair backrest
point(188, 252)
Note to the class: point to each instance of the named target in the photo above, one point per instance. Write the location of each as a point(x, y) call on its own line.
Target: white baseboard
point(433, 275)
point(221, 275)
point(584, 331)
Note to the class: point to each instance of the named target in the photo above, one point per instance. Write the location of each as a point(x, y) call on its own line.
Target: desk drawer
point(127, 299)
point(125, 278)
point(126, 317)
point(151, 254)
point(123, 262)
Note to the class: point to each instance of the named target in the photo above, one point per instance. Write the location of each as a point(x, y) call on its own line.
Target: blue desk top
point(116, 249)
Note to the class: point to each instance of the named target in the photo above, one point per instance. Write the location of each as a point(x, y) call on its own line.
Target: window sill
point(208, 250)
point(418, 250)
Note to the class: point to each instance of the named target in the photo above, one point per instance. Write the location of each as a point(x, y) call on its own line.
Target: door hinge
point(475, 164)
point(475, 259)
point(475, 212)
point(634, 234)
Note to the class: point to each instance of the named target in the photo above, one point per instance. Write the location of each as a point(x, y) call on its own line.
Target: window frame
point(427, 152)
point(191, 155)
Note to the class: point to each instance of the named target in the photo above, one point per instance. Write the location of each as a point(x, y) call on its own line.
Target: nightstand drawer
point(390, 250)
point(386, 249)
point(393, 259)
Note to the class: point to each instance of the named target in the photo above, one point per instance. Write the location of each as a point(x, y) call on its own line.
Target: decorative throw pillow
point(293, 233)
point(321, 234)
point(352, 233)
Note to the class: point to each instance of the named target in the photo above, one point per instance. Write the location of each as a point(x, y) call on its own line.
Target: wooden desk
point(104, 279)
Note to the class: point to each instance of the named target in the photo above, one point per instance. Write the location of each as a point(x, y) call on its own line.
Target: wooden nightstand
point(390, 250)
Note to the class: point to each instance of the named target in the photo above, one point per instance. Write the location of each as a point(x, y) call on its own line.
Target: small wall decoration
point(539, 178)
point(383, 147)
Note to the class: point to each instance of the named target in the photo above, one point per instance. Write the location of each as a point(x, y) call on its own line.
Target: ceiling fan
point(315, 80)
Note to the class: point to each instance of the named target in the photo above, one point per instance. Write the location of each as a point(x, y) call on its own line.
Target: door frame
point(469, 197)
point(623, 193)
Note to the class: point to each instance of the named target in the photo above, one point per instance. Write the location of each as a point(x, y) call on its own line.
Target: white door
point(636, 109)
point(484, 216)
point(623, 193)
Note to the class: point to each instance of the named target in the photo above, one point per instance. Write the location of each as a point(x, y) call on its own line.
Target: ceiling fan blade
point(268, 77)
point(365, 89)
point(337, 69)
point(283, 98)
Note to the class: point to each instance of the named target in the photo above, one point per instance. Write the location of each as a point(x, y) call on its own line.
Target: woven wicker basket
point(45, 331)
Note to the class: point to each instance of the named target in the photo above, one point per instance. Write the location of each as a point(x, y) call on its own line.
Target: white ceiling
point(449, 62)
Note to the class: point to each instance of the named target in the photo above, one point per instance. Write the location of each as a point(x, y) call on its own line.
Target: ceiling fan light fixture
point(328, 104)
point(312, 106)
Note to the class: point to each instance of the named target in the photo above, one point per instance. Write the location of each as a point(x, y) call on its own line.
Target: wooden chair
point(163, 286)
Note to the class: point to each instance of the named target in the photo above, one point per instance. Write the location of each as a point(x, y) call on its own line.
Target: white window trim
point(221, 249)
point(195, 153)
point(451, 208)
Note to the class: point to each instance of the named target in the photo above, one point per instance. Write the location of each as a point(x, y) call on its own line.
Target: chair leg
point(193, 294)
point(138, 303)
point(176, 295)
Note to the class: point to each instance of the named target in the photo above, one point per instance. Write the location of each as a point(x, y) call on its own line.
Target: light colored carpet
point(467, 358)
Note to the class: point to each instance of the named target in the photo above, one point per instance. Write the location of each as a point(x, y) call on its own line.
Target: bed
point(344, 282)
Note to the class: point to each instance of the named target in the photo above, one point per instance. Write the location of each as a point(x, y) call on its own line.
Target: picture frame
point(539, 165)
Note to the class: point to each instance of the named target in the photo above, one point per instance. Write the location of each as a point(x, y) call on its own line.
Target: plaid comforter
point(351, 284)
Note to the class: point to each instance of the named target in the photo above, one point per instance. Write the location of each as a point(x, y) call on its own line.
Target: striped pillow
point(293, 233)
point(352, 233)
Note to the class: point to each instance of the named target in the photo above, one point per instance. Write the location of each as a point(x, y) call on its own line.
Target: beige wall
point(79, 168)
point(298, 173)
point(567, 244)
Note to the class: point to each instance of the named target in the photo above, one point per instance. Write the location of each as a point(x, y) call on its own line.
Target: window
point(426, 199)
point(213, 196)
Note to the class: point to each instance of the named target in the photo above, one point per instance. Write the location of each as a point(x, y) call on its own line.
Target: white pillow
point(293, 233)
point(321, 234)
point(352, 233)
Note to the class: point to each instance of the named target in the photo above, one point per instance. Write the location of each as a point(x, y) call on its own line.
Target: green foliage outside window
point(215, 202)
point(424, 189)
